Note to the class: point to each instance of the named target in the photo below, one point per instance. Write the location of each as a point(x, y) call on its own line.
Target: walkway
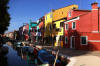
point(79, 57)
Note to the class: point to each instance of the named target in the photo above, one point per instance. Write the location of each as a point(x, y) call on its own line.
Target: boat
point(47, 58)
point(18, 44)
point(28, 49)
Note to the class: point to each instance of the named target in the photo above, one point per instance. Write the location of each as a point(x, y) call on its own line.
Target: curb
point(72, 61)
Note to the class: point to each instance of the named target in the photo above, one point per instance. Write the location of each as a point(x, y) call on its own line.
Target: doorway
point(72, 42)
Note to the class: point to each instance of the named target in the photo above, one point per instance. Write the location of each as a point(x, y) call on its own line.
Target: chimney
point(94, 15)
point(94, 5)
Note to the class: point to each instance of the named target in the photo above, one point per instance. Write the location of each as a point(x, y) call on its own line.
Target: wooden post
point(56, 58)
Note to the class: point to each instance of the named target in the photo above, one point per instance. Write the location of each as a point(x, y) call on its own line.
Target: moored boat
point(47, 58)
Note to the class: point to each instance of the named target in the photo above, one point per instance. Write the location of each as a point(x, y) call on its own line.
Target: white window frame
point(75, 25)
point(69, 14)
point(67, 26)
point(65, 40)
point(86, 40)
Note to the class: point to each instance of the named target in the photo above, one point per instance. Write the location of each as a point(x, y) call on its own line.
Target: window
point(69, 14)
point(50, 27)
point(38, 30)
point(73, 25)
point(83, 40)
point(58, 29)
point(61, 38)
point(74, 8)
point(62, 24)
point(54, 26)
point(35, 30)
point(50, 15)
point(54, 38)
point(66, 26)
point(62, 12)
point(66, 39)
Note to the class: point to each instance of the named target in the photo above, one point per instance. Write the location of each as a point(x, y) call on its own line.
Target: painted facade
point(82, 29)
point(58, 32)
point(40, 30)
point(59, 16)
point(48, 28)
point(32, 31)
point(21, 33)
point(48, 23)
point(62, 12)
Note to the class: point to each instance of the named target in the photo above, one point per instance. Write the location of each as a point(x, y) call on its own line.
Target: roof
point(82, 10)
point(63, 7)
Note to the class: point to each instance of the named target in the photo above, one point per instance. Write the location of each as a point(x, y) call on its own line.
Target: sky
point(21, 11)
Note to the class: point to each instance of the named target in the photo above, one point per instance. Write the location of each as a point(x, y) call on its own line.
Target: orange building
point(62, 12)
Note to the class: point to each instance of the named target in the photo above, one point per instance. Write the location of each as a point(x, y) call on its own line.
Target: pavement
point(79, 57)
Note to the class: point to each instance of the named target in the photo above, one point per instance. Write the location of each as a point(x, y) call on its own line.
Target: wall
point(48, 22)
point(62, 12)
point(84, 27)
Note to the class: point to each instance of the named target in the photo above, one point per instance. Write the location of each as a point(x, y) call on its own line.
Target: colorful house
point(32, 31)
point(48, 26)
point(26, 31)
point(59, 16)
point(21, 33)
point(40, 30)
point(82, 29)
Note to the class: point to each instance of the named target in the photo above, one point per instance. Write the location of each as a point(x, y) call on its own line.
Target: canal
point(15, 57)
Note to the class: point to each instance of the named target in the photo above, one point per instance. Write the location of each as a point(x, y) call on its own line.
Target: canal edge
point(72, 59)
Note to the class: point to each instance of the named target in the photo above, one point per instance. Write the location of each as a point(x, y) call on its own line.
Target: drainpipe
point(98, 19)
point(52, 29)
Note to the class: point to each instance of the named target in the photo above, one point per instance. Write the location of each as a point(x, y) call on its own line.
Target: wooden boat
point(47, 58)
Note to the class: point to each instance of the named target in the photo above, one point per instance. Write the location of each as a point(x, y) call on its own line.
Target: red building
point(82, 29)
point(41, 30)
point(25, 31)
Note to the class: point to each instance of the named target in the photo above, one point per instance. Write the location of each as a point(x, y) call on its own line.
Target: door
point(72, 43)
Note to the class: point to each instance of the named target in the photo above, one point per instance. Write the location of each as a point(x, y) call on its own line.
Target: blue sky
point(21, 11)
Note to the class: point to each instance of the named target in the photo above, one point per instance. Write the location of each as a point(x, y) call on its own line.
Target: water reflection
point(3, 61)
point(16, 57)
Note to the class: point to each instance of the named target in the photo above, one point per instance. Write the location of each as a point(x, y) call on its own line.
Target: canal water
point(14, 57)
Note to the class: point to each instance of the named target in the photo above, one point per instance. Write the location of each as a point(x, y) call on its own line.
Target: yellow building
point(58, 32)
point(48, 26)
point(62, 12)
point(48, 23)
point(59, 16)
